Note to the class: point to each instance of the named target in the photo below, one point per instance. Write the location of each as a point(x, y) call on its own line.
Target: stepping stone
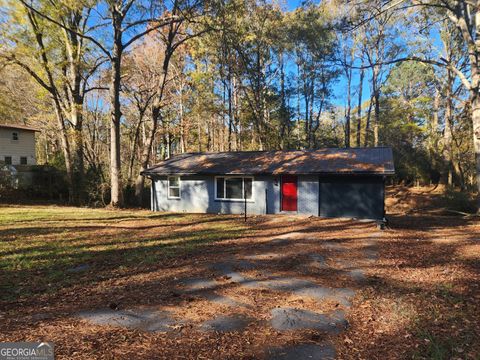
point(304, 288)
point(199, 284)
point(303, 351)
point(225, 323)
point(357, 275)
point(320, 293)
point(146, 320)
point(224, 300)
point(79, 268)
point(294, 319)
point(280, 242)
point(280, 284)
point(226, 269)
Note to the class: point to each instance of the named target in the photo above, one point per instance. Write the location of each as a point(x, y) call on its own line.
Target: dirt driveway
point(286, 288)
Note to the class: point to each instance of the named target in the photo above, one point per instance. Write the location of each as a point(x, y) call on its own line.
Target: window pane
point(8, 160)
point(248, 187)
point(23, 160)
point(14, 136)
point(173, 181)
point(220, 188)
point(233, 188)
point(174, 192)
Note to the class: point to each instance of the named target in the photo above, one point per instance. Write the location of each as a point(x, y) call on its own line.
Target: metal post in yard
point(266, 201)
point(245, 198)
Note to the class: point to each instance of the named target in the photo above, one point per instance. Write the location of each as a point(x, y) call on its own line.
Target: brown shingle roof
point(323, 161)
point(19, 127)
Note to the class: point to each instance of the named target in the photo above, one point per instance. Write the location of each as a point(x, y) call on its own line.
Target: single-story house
point(324, 182)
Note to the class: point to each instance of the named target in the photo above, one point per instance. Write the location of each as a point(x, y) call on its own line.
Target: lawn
point(42, 248)
point(419, 298)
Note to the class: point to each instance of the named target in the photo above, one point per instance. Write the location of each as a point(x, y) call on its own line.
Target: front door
point(289, 193)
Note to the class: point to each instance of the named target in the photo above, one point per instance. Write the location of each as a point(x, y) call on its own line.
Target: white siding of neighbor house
point(24, 146)
point(197, 195)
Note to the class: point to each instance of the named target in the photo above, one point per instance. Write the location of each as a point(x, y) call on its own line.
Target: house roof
point(19, 127)
point(377, 160)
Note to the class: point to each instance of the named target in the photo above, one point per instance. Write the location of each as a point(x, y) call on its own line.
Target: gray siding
point(197, 195)
point(308, 195)
point(325, 196)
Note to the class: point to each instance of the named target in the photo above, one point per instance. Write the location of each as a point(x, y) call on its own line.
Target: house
point(325, 182)
point(17, 144)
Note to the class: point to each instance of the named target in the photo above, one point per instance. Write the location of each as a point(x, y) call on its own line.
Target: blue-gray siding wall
point(358, 197)
point(197, 195)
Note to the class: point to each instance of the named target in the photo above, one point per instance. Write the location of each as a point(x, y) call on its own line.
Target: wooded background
point(117, 85)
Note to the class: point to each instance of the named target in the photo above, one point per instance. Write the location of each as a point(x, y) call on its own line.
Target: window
point(8, 160)
point(23, 160)
point(174, 187)
point(234, 188)
point(15, 136)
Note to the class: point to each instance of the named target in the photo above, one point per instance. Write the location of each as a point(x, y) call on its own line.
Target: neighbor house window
point(15, 136)
point(174, 187)
point(234, 188)
point(8, 160)
point(23, 160)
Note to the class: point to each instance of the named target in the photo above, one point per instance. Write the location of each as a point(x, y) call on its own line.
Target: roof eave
point(155, 173)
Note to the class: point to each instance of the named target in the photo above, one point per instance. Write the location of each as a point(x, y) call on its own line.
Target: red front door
point(289, 193)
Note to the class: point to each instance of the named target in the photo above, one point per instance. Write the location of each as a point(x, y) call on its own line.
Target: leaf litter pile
point(213, 287)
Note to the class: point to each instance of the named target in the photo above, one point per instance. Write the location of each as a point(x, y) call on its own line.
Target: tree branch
point(46, 17)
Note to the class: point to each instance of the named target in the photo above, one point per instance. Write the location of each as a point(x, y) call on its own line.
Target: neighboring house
point(325, 182)
point(17, 145)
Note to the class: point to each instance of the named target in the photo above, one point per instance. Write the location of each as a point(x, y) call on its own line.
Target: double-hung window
point(174, 187)
point(233, 188)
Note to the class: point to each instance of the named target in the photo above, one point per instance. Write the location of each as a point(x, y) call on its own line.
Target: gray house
point(324, 182)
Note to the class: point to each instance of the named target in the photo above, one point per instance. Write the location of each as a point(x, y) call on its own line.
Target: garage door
point(360, 198)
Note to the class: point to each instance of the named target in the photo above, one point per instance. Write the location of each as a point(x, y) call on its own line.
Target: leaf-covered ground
point(420, 297)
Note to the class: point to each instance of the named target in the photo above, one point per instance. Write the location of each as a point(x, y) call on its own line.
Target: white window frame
point(179, 187)
point(252, 199)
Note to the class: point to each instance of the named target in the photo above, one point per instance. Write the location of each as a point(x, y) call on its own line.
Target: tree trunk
point(348, 109)
point(65, 144)
point(447, 134)
point(476, 141)
point(376, 124)
point(133, 149)
point(359, 107)
point(183, 145)
point(115, 161)
point(367, 125)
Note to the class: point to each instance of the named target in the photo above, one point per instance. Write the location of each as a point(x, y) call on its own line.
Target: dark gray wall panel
point(354, 197)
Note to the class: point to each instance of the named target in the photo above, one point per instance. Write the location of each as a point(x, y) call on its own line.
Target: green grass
point(39, 244)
